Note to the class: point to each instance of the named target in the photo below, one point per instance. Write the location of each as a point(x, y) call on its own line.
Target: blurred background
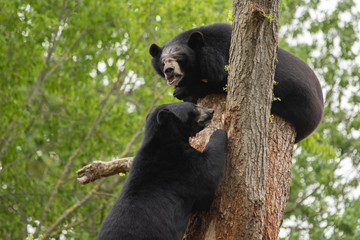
point(76, 83)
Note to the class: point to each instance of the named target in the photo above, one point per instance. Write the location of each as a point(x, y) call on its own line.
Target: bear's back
point(218, 35)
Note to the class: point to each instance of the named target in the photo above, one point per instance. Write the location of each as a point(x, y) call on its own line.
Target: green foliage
point(225, 89)
point(223, 105)
point(230, 18)
point(271, 120)
point(269, 17)
point(276, 98)
point(325, 181)
point(76, 84)
point(31, 237)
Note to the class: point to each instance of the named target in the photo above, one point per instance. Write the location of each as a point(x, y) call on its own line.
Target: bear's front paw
point(179, 93)
point(182, 93)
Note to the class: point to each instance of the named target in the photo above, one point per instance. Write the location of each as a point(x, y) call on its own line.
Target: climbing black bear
point(194, 62)
point(168, 178)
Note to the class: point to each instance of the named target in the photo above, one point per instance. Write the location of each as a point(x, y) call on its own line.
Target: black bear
point(194, 62)
point(168, 179)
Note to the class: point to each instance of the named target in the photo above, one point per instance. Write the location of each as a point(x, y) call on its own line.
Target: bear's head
point(177, 59)
point(182, 118)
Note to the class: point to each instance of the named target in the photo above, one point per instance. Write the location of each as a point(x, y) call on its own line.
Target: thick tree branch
point(100, 169)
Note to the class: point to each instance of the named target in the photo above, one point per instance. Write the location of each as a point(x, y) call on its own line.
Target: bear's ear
point(196, 40)
point(155, 50)
point(164, 115)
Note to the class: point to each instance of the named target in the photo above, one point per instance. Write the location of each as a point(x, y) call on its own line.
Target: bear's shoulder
point(209, 31)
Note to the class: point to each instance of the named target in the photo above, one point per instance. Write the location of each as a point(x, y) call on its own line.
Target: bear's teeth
point(174, 80)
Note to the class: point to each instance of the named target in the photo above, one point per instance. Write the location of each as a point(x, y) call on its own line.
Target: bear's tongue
point(171, 79)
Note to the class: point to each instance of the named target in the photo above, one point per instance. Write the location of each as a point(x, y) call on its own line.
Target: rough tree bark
point(278, 174)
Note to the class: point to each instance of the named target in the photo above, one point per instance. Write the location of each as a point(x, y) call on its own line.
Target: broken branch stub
point(99, 169)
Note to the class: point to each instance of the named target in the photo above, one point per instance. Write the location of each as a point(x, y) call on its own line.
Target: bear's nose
point(169, 71)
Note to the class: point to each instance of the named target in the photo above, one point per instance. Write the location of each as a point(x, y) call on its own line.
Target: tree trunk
point(278, 174)
point(249, 204)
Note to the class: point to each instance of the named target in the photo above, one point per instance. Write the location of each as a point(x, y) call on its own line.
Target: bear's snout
point(172, 71)
point(206, 114)
point(169, 71)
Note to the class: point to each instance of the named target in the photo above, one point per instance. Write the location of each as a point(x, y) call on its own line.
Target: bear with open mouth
point(194, 62)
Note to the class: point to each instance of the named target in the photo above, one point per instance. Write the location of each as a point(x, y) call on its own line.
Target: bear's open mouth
point(174, 79)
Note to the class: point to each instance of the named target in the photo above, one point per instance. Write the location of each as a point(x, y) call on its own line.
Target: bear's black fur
point(194, 62)
point(168, 179)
